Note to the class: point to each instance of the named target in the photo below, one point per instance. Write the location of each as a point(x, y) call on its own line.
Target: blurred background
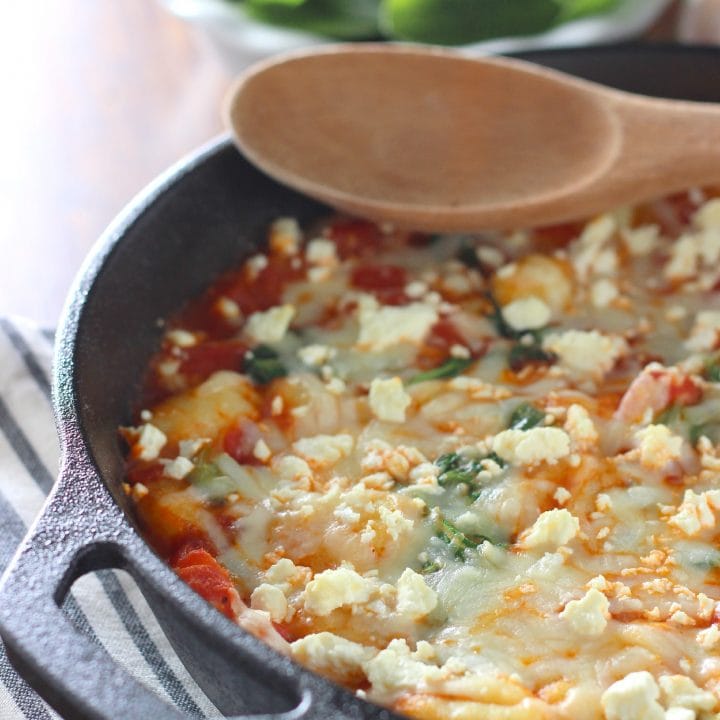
point(102, 95)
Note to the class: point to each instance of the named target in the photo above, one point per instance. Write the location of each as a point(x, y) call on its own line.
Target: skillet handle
point(82, 529)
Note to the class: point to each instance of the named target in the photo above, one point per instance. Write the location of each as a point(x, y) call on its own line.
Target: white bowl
point(241, 40)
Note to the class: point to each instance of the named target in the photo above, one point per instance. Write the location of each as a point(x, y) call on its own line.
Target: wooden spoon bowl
point(433, 140)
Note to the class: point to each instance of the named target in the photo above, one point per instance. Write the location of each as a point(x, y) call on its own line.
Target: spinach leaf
point(521, 355)
point(430, 566)
point(263, 365)
point(458, 540)
point(525, 416)
point(450, 368)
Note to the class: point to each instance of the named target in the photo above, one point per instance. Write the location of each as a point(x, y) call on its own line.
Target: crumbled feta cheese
point(603, 292)
point(709, 638)
point(255, 265)
point(150, 442)
point(284, 573)
point(332, 589)
point(561, 496)
point(324, 449)
point(277, 405)
point(332, 654)
point(181, 338)
point(552, 529)
point(459, 351)
point(271, 599)
point(697, 512)
point(528, 313)
point(396, 668)
point(705, 332)
point(271, 325)
point(414, 598)
point(291, 467)
point(285, 236)
point(385, 326)
point(589, 615)
point(684, 257)
point(658, 446)
point(228, 308)
point(416, 289)
point(261, 451)
point(316, 355)
point(707, 217)
point(641, 240)
point(527, 447)
point(489, 255)
point(394, 521)
point(632, 698)
point(586, 249)
point(321, 252)
point(586, 351)
point(580, 427)
point(178, 468)
point(680, 691)
point(388, 399)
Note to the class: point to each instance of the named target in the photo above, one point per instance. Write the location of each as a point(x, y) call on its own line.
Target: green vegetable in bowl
point(445, 22)
point(458, 22)
point(342, 19)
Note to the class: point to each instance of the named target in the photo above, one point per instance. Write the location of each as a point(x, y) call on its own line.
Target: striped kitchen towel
point(107, 606)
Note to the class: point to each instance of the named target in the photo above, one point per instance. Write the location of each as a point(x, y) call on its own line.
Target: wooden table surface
point(99, 97)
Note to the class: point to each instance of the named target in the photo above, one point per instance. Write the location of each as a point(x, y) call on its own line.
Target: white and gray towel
point(106, 606)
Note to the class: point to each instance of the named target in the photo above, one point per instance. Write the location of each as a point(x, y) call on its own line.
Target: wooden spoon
point(433, 140)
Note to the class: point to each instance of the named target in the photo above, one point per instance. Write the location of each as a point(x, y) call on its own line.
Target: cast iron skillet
point(203, 215)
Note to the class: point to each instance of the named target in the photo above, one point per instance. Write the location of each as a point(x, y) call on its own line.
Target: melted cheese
point(467, 507)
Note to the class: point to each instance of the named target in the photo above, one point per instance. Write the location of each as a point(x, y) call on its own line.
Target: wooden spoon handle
point(665, 145)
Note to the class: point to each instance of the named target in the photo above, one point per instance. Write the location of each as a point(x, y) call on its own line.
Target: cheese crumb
point(705, 332)
point(603, 292)
point(658, 446)
point(388, 399)
point(680, 691)
point(561, 496)
point(552, 529)
point(641, 240)
point(709, 638)
point(586, 351)
point(285, 236)
point(332, 655)
point(271, 325)
point(316, 355)
point(271, 599)
point(150, 442)
point(324, 449)
point(589, 615)
point(181, 338)
point(632, 698)
point(178, 468)
point(697, 512)
point(321, 252)
point(580, 427)
point(383, 327)
point(528, 313)
point(261, 450)
point(527, 447)
point(332, 589)
point(415, 598)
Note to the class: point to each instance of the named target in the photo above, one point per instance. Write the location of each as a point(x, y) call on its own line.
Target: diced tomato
point(355, 238)
point(202, 572)
point(145, 473)
point(685, 391)
point(436, 348)
point(549, 238)
point(201, 361)
point(239, 442)
point(284, 632)
point(671, 213)
point(386, 282)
